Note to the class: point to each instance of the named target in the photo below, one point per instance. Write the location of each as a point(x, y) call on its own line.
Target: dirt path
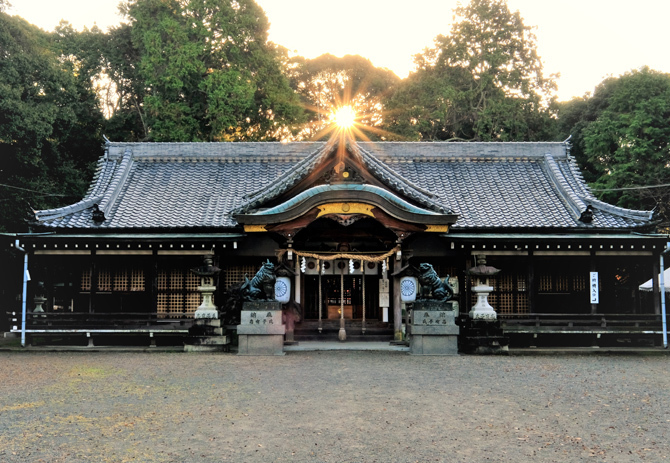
point(332, 407)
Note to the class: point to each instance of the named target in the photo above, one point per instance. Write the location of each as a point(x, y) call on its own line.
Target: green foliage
point(208, 70)
point(328, 82)
point(622, 137)
point(483, 81)
point(49, 124)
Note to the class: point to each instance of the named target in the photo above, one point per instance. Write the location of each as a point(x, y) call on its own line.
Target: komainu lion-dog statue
point(262, 285)
point(441, 290)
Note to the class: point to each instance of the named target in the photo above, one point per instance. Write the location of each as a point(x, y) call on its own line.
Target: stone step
point(329, 337)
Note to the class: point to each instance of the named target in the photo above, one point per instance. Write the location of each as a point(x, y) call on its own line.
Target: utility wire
point(646, 187)
point(32, 191)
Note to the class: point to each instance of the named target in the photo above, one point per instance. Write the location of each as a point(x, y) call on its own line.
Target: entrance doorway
point(333, 298)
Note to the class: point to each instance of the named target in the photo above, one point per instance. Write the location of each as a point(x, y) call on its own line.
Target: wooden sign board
point(384, 285)
point(384, 300)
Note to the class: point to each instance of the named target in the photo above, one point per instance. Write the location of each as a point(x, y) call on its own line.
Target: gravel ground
point(332, 407)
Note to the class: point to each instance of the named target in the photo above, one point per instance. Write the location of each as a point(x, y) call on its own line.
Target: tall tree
point(483, 81)
point(209, 71)
point(49, 124)
point(622, 138)
point(328, 82)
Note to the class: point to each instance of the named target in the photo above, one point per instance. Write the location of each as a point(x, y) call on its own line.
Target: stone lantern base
point(206, 335)
point(482, 337)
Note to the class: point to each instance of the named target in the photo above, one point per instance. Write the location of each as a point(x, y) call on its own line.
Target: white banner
point(594, 291)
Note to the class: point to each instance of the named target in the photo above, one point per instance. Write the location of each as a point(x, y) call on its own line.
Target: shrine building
point(344, 220)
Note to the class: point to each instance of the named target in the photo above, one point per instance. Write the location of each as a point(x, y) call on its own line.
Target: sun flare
point(344, 117)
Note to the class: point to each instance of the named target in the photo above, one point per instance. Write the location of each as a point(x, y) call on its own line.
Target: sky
point(583, 40)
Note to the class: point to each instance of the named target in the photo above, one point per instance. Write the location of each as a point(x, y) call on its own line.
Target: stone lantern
point(207, 288)
point(39, 299)
point(482, 309)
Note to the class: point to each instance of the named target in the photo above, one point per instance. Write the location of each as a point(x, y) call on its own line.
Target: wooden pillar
point(152, 281)
point(94, 281)
point(466, 284)
point(656, 287)
point(297, 293)
point(342, 334)
point(397, 307)
point(363, 280)
point(532, 283)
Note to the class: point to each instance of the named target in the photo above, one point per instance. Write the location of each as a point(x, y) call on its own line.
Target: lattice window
point(104, 280)
point(505, 303)
point(579, 282)
point(178, 292)
point(137, 282)
point(562, 284)
point(545, 285)
point(521, 284)
point(163, 280)
point(521, 303)
point(162, 305)
point(503, 283)
point(509, 293)
point(120, 280)
point(176, 278)
point(191, 282)
point(234, 274)
point(176, 304)
point(556, 283)
point(193, 301)
point(86, 280)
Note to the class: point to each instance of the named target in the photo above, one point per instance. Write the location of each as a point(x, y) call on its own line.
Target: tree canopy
point(328, 82)
point(208, 70)
point(49, 124)
point(621, 138)
point(483, 81)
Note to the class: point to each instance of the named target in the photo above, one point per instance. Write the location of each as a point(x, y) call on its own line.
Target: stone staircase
point(375, 331)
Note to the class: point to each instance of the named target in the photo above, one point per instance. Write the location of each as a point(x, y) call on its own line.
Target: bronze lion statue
point(262, 285)
point(431, 283)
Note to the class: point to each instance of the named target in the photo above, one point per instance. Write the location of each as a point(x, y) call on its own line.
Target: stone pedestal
point(434, 330)
point(206, 335)
point(482, 337)
point(261, 331)
point(482, 310)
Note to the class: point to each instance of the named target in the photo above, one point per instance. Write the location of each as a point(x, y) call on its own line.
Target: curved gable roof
point(519, 186)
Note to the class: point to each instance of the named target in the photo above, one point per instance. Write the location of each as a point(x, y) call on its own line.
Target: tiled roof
point(521, 186)
point(303, 168)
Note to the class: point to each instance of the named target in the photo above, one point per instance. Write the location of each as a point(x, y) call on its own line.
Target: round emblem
point(407, 288)
point(345, 207)
point(280, 289)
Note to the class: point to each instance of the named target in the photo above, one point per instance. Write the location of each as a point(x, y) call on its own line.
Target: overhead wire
point(32, 191)
point(645, 187)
